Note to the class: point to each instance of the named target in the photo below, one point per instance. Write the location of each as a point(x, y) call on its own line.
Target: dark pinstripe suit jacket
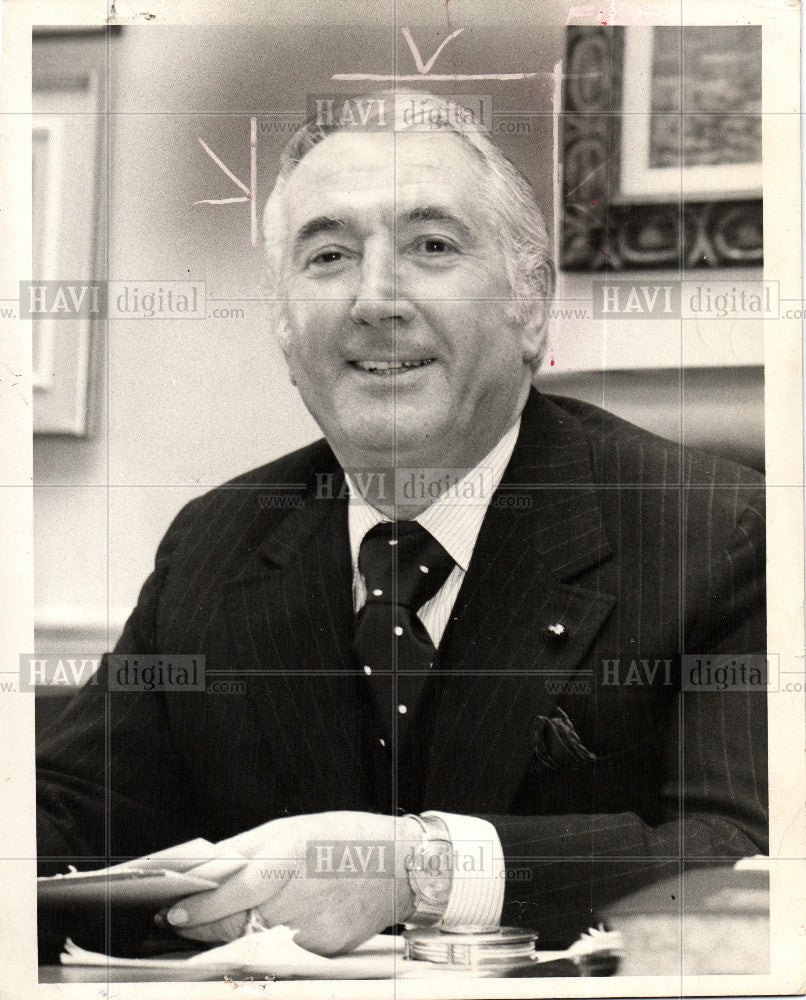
point(640, 550)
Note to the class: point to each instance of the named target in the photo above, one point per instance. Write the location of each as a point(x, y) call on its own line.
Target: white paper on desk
point(267, 953)
point(158, 879)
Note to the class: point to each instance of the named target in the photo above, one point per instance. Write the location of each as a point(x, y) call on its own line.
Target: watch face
point(430, 872)
point(433, 893)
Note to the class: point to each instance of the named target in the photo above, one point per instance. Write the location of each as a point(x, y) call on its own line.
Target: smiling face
point(397, 301)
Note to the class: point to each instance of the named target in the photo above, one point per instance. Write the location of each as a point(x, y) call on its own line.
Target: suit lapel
point(517, 623)
point(291, 618)
point(290, 604)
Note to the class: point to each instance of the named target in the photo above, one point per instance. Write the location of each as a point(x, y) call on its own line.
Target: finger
point(240, 892)
point(219, 931)
point(227, 929)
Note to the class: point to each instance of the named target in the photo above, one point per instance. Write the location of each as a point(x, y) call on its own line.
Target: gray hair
point(509, 198)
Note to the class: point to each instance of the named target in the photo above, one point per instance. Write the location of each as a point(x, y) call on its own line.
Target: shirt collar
point(456, 516)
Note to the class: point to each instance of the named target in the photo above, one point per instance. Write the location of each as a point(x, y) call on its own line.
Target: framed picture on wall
point(661, 163)
point(68, 226)
point(47, 150)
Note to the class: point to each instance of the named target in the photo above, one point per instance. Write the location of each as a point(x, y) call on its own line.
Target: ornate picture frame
point(659, 176)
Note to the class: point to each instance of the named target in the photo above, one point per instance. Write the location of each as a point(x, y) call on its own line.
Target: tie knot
point(402, 563)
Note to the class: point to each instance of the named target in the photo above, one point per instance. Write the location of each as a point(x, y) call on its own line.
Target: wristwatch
point(430, 871)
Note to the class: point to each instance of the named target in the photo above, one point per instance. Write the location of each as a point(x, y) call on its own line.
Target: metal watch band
point(431, 883)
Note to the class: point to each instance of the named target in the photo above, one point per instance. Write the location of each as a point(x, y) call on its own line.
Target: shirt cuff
point(477, 890)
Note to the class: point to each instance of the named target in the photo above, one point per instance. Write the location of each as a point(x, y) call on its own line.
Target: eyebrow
point(320, 224)
point(433, 213)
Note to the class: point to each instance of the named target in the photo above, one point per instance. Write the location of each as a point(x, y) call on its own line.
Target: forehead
point(363, 174)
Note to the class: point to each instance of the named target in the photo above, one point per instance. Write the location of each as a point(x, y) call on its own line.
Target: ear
point(534, 314)
point(283, 334)
point(284, 346)
point(534, 334)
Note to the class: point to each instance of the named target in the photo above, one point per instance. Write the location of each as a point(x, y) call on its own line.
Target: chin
point(389, 444)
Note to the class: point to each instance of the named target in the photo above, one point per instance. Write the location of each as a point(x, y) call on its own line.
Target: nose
point(378, 299)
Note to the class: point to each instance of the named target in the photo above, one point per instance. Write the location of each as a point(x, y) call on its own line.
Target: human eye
point(435, 247)
point(327, 258)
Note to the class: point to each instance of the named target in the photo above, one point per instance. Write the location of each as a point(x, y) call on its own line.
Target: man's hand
point(352, 896)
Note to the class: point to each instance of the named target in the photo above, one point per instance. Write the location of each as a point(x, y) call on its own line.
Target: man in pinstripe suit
point(412, 277)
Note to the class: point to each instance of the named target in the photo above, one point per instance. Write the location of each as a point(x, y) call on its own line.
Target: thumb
point(240, 892)
point(226, 929)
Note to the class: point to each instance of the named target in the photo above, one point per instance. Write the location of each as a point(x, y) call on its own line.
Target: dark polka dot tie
point(403, 567)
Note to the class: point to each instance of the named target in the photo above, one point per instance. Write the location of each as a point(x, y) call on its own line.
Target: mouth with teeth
point(390, 368)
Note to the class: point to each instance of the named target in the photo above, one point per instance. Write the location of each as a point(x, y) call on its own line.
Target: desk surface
point(112, 974)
